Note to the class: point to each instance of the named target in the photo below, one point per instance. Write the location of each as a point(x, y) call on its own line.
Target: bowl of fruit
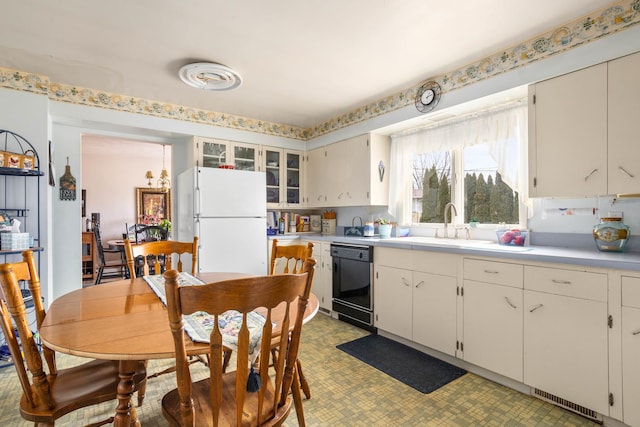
point(512, 237)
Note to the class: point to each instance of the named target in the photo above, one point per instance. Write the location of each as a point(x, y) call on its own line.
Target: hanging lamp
point(164, 183)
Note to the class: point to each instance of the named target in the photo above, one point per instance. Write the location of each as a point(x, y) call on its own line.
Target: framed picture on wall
point(153, 205)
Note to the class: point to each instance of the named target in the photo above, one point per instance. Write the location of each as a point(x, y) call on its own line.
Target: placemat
point(199, 325)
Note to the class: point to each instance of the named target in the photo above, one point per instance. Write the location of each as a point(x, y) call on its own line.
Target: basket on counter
point(512, 237)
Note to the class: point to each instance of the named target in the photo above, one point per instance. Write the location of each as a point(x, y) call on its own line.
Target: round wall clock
point(428, 96)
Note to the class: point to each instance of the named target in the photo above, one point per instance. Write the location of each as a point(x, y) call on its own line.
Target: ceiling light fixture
point(210, 76)
point(164, 183)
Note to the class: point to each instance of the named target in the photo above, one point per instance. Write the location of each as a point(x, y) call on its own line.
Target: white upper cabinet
point(213, 153)
point(352, 172)
point(624, 142)
point(583, 133)
point(284, 169)
point(568, 134)
point(317, 175)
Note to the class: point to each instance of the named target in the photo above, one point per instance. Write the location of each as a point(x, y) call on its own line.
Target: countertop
point(573, 256)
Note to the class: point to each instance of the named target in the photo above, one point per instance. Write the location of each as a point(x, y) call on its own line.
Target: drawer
point(397, 258)
point(435, 263)
point(631, 291)
point(499, 273)
point(579, 284)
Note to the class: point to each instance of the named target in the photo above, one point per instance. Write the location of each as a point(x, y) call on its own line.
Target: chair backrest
point(292, 256)
point(156, 257)
point(147, 233)
point(20, 340)
point(231, 403)
point(99, 247)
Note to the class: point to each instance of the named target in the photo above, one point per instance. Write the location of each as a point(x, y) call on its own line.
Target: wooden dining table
point(126, 321)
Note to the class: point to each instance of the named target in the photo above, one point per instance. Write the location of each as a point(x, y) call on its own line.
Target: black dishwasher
point(353, 284)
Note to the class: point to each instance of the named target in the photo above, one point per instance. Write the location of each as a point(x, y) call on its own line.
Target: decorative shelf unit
point(20, 196)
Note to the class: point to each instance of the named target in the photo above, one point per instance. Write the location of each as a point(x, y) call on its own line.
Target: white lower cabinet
point(631, 350)
point(417, 301)
point(322, 285)
point(434, 311)
point(565, 335)
point(493, 316)
point(393, 295)
point(493, 327)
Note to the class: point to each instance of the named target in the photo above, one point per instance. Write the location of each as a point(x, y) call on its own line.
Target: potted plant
point(384, 227)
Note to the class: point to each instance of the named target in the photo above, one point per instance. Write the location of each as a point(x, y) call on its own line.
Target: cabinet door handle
point(509, 302)
point(590, 173)
point(406, 283)
point(491, 271)
point(561, 282)
point(535, 307)
point(621, 169)
point(636, 332)
point(420, 284)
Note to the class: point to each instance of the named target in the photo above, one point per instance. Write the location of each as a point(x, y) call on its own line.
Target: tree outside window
point(486, 197)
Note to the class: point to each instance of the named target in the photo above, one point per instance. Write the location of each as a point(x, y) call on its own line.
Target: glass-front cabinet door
point(272, 162)
point(213, 152)
point(245, 157)
point(284, 177)
point(293, 176)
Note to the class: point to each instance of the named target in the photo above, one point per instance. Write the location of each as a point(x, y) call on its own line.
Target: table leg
point(126, 415)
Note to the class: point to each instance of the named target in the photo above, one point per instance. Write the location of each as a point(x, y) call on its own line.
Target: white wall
point(27, 115)
point(112, 169)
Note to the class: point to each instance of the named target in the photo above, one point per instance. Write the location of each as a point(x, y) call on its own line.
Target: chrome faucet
point(447, 208)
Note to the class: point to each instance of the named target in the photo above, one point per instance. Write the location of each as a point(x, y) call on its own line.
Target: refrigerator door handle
point(197, 201)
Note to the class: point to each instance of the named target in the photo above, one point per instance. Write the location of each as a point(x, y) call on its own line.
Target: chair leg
point(99, 276)
point(303, 381)
point(142, 388)
point(297, 398)
point(225, 361)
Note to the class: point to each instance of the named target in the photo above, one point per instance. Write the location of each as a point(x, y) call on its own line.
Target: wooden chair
point(292, 256)
point(155, 257)
point(223, 399)
point(147, 233)
point(47, 397)
point(143, 258)
point(115, 268)
point(290, 259)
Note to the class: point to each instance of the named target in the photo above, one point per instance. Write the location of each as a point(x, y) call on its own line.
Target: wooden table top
point(124, 320)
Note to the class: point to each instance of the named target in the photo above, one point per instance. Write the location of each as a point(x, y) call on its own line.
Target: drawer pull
point(636, 332)
point(420, 284)
point(509, 302)
point(535, 307)
point(491, 271)
point(406, 283)
point(561, 282)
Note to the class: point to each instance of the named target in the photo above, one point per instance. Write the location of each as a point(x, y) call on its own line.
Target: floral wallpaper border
point(610, 20)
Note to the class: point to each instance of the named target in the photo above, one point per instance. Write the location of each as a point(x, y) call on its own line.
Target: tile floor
point(345, 392)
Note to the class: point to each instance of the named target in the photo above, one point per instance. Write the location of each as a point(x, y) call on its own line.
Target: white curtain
point(504, 129)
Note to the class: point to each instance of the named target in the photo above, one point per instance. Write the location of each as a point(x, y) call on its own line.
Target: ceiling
point(302, 62)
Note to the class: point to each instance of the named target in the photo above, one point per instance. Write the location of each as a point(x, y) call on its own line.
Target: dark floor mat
point(414, 368)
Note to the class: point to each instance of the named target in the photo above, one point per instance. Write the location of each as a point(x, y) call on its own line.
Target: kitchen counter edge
point(557, 255)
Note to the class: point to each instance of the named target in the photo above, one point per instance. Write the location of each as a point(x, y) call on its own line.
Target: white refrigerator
point(227, 210)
